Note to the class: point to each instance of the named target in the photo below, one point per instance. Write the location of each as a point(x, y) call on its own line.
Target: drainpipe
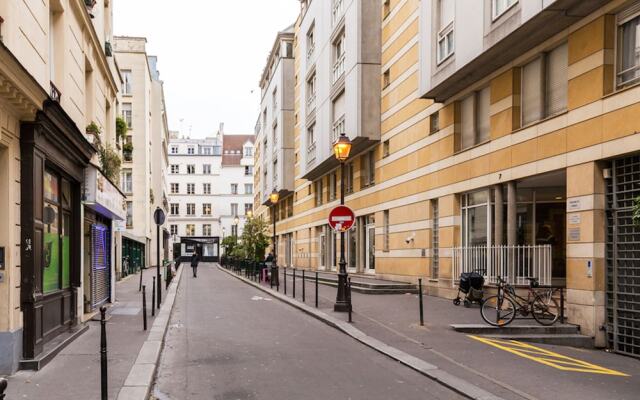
point(512, 215)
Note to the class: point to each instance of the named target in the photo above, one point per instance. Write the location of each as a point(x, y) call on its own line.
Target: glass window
point(129, 214)
point(248, 188)
point(234, 188)
point(190, 230)
point(234, 208)
point(498, 7)
point(175, 209)
point(191, 209)
point(126, 81)
point(446, 13)
point(175, 169)
point(206, 188)
point(206, 169)
point(175, 188)
point(206, 230)
point(174, 229)
point(248, 207)
point(51, 275)
point(126, 183)
point(191, 188)
point(206, 209)
point(191, 150)
point(191, 169)
point(127, 114)
point(557, 80)
point(628, 50)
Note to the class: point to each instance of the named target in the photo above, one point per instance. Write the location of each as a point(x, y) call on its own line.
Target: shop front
point(207, 248)
point(54, 154)
point(133, 255)
point(103, 206)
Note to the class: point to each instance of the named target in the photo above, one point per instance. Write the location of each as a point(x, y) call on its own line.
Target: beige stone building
point(506, 131)
point(55, 80)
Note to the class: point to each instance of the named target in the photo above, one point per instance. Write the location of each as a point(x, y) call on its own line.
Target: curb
point(141, 376)
point(431, 371)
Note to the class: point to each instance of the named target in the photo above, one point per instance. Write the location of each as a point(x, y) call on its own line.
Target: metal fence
point(513, 263)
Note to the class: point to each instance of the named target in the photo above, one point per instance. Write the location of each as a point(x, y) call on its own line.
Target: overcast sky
point(210, 55)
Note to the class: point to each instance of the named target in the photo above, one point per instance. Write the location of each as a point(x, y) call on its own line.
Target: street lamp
point(249, 214)
point(236, 221)
point(341, 150)
point(274, 197)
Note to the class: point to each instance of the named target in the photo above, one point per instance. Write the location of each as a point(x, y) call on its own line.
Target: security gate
point(100, 265)
point(623, 257)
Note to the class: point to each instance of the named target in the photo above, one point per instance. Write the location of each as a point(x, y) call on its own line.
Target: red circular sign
point(341, 218)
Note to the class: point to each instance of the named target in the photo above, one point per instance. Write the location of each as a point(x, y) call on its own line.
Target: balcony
point(338, 68)
point(337, 10)
point(338, 128)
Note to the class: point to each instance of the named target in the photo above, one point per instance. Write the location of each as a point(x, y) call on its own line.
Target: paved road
point(229, 341)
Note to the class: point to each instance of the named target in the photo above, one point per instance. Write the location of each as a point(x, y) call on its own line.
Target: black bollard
point(285, 281)
point(420, 297)
point(153, 298)
point(303, 288)
point(316, 289)
point(3, 387)
point(277, 279)
point(140, 284)
point(294, 283)
point(103, 352)
point(271, 278)
point(144, 306)
point(349, 298)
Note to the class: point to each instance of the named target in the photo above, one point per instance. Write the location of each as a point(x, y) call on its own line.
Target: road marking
point(546, 357)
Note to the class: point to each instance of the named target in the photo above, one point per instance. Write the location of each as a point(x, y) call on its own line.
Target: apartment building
point(56, 80)
point(507, 143)
point(144, 151)
point(274, 130)
point(211, 191)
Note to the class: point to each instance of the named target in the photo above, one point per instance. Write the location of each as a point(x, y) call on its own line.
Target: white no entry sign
point(341, 218)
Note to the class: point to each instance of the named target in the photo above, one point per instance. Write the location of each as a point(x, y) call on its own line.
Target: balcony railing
point(338, 128)
point(338, 8)
point(338, 68)
point(513, 263)
point(311, 102)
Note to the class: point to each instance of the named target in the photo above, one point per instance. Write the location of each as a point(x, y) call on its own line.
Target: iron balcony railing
point(338, 128)
point(513, 263)
point(311, 153)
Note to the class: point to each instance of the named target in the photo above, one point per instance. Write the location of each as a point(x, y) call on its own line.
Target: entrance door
point(323, 252)
point(370, 240)
point(623, 258)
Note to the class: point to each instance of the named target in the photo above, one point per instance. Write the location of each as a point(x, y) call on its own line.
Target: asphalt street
point(230, 341)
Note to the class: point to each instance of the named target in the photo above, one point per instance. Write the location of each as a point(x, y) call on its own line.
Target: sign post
point(158, 218)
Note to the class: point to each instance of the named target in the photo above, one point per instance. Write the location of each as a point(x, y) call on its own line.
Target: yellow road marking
point(547, 357)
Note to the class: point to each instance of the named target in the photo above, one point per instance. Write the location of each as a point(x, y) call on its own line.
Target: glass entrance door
point(370, 240)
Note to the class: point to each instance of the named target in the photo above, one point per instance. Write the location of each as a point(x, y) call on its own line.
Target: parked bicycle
point(501, 309)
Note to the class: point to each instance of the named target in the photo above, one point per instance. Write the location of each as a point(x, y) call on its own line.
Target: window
point(175, 188)
point(628, 48)
point(339, 122)
point(190, 230)
point(248, 188)
point(234, 188)
point(338, 57)
point(234, 209)
point(385, 149)
point(175, 168)
point(206, 169)
point(191, 169)
point(434, 123)
point(385, 227)
point(191, 209)
point(191, 188)
point(348, 185)
point(274, 98)
point(234, 230)
point(499, 7)
point(333, 186)
point(318, 192)
point(248, 170)
point(248, 207)
point(129, 214)
point(126, 82)
point(386, 79)
point(474, 118)
point(248, 151)
point(435, 240)
point(445, 31)
point(126, 182)
point(311, 143)
point(127, 114)
point(175, 209)
point(174, 149)
point(367, 169)
point(544, 85)
point(174, 229)
point(311, 41)
point(206, 188)
point(206, 230)
point(206, 151)
point(206, 209)
point(191, 150)
point(338, 8)
point(311, 92)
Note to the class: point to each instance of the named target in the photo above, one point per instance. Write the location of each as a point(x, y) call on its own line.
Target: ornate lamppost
point(341, 150)
point(274, 197)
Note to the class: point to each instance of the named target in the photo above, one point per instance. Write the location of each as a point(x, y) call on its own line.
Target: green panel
point(51, 276)
point(66, 263)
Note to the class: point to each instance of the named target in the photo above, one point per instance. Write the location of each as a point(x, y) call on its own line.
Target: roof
point(232, 147)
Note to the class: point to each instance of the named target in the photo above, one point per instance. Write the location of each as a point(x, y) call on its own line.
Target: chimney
point(221, 129)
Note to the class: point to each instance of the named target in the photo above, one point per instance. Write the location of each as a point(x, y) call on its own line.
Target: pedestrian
point(268, 263)
point(194, 264)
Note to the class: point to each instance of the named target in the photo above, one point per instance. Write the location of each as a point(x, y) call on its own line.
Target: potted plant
point(121, 130)
point(127, 151)
point(93, 131)
point(110, 163)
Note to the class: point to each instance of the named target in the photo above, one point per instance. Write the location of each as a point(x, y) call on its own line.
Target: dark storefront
point(207, 248)
point(54, 154)
point(133, 256)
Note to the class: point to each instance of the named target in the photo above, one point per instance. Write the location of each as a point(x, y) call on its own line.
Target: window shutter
point(531, 92)
point(467, 122)
point(483, 103)
point(557, 80)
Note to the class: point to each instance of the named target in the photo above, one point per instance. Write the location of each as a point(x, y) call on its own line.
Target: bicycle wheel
point(498, 312)
point(545, 310)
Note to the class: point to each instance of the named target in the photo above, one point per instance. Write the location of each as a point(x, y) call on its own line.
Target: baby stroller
point(471, 285)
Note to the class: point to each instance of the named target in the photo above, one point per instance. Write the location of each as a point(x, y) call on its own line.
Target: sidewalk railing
point(513, 263)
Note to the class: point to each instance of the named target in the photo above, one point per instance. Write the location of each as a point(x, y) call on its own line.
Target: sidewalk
point(507, 369)
point(75, 372)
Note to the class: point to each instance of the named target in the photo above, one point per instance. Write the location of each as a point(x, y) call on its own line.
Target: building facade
point(56, 76)
point(506, 131)
point(144, 152)
point(211, 184)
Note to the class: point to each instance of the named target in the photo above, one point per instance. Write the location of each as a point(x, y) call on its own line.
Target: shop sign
point(102, 196)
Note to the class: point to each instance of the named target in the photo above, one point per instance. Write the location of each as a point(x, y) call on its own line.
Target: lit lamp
point(249, 214)
point(236, 221)
point(274, 197)
point(341, 150)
